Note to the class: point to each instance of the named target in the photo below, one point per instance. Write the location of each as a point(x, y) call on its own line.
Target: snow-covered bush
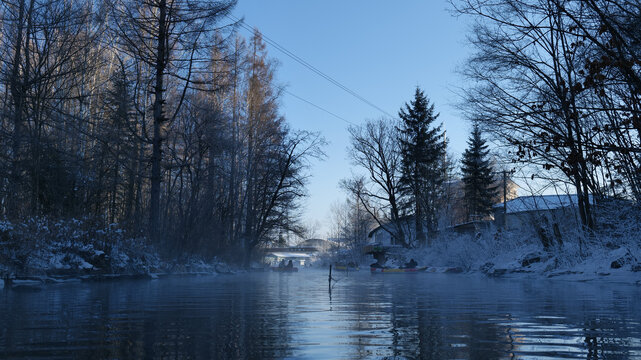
point(614, 244)
point(41, 245)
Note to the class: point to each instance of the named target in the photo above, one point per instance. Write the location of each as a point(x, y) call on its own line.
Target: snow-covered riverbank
point(49, 252)
point(610, 252)
point(513, 256)
point(40, 251)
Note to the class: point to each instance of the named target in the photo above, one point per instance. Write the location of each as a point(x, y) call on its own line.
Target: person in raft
point(290, 265)
point(410, 265)
point(380, 260)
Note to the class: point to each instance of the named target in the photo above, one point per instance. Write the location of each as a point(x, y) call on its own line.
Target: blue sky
point(381, 50)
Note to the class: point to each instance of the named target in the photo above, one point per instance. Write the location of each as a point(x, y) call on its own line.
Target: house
point(381, 234)
point(456, 213)
point(382, 237)
point(525, 211)
point(470, 228)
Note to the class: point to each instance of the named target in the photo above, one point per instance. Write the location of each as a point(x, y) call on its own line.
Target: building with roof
point(525, 211)
point(381, 234)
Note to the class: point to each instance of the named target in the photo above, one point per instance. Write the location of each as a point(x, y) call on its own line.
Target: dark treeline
point(151, 114)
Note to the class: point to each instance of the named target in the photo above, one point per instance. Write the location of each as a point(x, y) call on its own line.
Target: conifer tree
point(478, 176)
point(423, 152)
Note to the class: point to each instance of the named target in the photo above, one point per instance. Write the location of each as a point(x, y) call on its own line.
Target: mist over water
point(291, 315)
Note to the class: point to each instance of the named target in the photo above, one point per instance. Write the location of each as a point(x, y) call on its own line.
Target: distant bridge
point(294, 249)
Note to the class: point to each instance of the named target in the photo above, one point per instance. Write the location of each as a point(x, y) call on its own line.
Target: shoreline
point(39, 282)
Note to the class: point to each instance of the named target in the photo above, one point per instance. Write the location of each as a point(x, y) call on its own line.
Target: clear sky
point(379, 49)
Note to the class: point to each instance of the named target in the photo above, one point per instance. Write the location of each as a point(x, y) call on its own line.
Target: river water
point(293, 315)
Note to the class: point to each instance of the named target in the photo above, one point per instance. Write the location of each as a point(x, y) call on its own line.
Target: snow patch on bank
point(43, 248)
point(611, 253)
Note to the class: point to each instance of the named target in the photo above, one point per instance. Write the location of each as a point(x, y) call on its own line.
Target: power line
point(310, 67)
point(318, 107)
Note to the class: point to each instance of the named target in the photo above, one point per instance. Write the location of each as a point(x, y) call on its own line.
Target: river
point(293, 315)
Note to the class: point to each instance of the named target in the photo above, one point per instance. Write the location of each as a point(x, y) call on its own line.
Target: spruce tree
point(423, 153)
point(478, 176)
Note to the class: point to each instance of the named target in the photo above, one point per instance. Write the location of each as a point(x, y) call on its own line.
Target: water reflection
point(423, 316)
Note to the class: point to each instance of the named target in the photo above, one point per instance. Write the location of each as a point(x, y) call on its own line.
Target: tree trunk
point(418, 222)
point(159, 119)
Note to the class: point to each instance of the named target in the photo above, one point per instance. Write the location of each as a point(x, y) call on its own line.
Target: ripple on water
point(431, 316)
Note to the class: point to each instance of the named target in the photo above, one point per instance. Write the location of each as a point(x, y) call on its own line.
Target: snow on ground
point(41, 247)
point(611, 253)
point(525, 258)
point(45, 248)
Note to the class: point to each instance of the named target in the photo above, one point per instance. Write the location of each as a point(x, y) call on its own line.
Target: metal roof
point(539, 203)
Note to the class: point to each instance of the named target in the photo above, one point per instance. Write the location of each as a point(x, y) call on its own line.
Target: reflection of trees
point(487, 340)
point(422, 323)
point(138, 320)
point(245, 322)
point(255, 316)
point(608, 338)
point(431, 330)
point(444, 332)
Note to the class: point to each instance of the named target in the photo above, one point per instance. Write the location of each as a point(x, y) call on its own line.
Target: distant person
point(282, 264)
point(290, 265)
point(411, 264)
point(380, 261)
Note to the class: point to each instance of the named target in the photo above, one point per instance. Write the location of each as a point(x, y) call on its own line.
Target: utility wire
point(318, 107)
point(310, 67)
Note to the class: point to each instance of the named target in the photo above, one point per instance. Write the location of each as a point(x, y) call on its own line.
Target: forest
point(155, 194)
point(156, 117)
point(159, 119)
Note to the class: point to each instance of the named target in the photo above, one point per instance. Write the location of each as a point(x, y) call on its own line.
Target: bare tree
point(350, 224)
point(529, 93)
point(172, 37)
point(375, 149)
point(277, 186)
point(43, 43)
point(612, 29)
point(163, 117)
